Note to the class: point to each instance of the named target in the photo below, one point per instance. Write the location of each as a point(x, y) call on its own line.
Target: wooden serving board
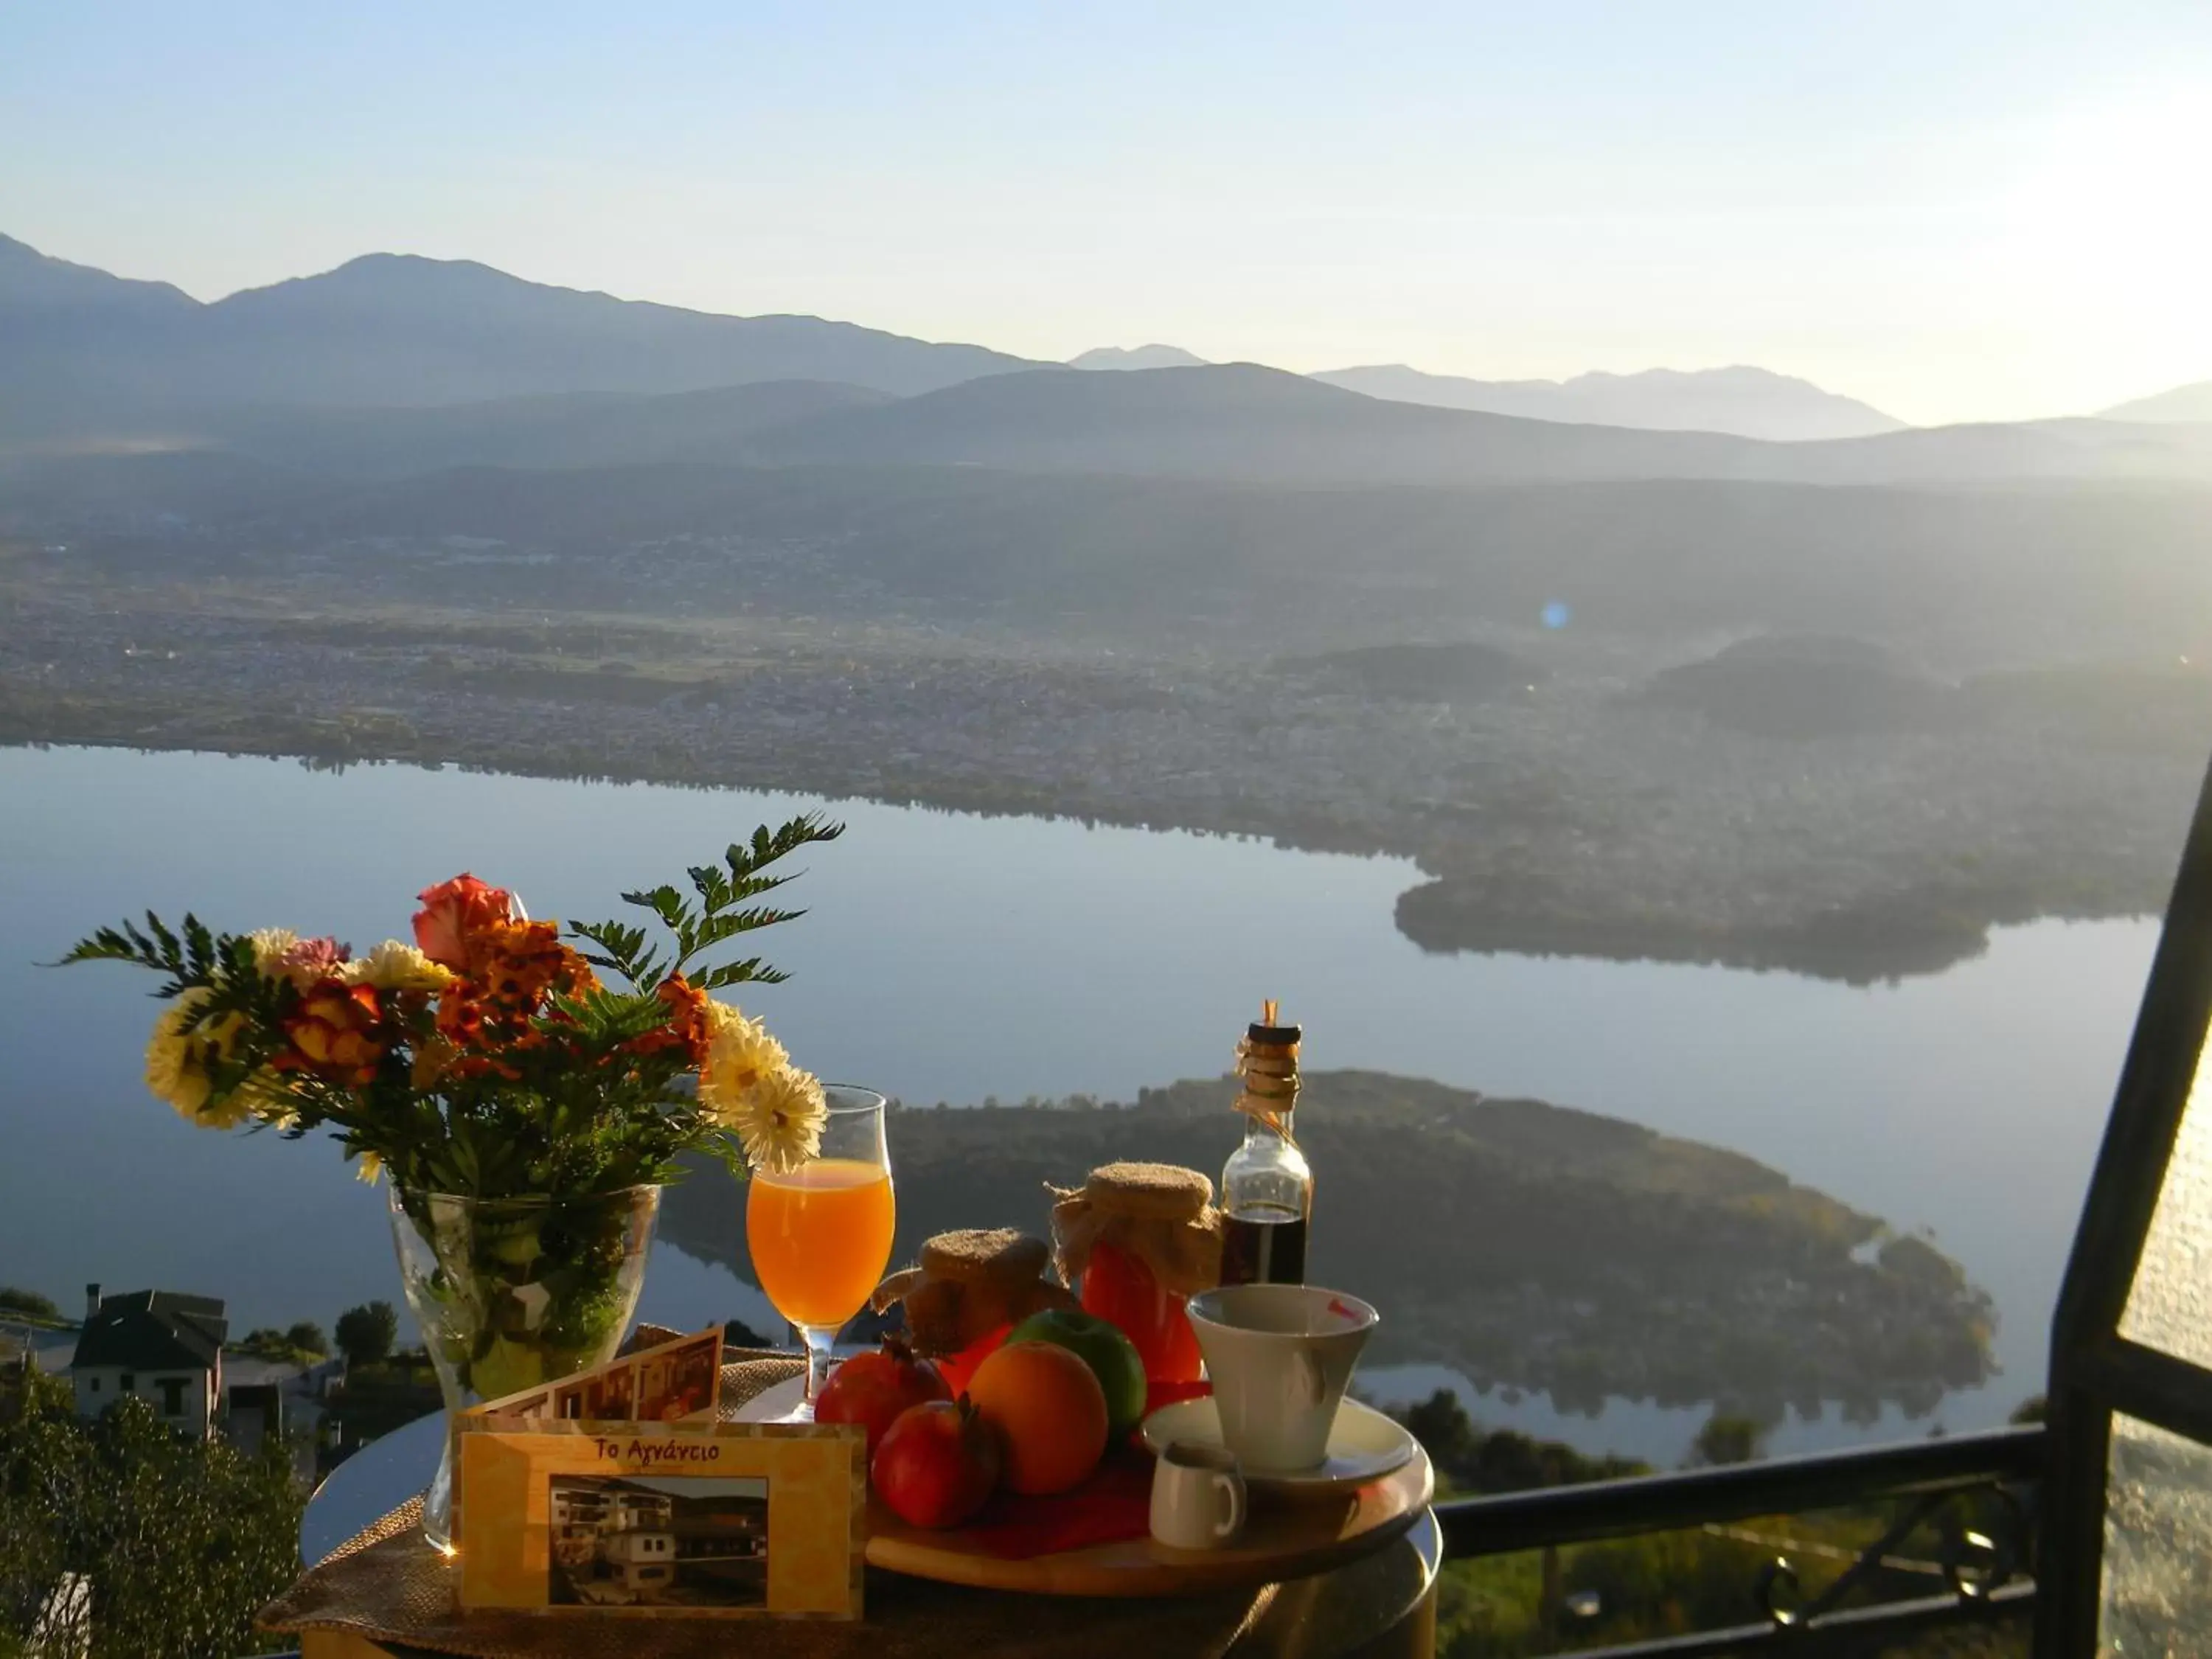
point(1284, 1539)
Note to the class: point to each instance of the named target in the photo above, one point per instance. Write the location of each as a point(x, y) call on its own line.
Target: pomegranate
point(938, 1464)
point(873, 1388)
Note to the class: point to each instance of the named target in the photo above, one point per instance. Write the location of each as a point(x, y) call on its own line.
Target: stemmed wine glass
point(820, 1234)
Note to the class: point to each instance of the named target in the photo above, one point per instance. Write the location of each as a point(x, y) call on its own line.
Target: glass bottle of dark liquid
point(1267, 1186)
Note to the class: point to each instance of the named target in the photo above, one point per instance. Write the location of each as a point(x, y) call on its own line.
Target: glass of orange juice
point(820, 1234)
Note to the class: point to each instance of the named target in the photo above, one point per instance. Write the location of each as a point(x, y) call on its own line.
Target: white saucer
point(1364, 1445)
point(774, 1403)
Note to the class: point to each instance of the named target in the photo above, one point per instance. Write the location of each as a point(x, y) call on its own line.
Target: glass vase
point(511, 1292)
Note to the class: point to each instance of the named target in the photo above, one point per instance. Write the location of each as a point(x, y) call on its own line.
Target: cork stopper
point(1268, 1031)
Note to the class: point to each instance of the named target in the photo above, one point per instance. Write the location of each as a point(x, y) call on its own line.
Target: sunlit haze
point(1957, 212)
point(1638, 570)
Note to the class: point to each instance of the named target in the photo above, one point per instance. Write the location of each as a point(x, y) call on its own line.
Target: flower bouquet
point(526, 1110)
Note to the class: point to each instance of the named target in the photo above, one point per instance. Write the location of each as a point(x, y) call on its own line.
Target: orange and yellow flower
point(335, 1032)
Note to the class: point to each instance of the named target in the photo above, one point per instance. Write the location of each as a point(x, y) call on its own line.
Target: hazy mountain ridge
point(1243, 421)
point(1143, 357)
point(1237, 420)
point(2183, 403)
point(31, 279)
point(359, 369)
point(1232, 422)
point(1748, 402)
point(400, 330)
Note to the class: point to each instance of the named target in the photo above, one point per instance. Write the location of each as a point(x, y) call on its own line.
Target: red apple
point(938, 1464)
point(873, 1388)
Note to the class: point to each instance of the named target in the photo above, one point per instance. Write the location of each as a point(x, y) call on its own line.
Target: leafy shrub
point(182, 1540)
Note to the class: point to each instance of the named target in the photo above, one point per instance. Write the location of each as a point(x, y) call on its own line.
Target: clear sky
point(1953, 208)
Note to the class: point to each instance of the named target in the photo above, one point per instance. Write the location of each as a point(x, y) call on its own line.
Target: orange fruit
point(1049, 1410)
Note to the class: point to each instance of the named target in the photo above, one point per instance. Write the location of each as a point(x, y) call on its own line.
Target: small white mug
point(1198, 1497)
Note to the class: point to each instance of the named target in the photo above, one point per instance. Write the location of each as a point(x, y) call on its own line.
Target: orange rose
point(334, 1031)
point(454, 913)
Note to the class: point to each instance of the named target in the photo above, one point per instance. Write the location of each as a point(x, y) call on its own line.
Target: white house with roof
point(161, 1346)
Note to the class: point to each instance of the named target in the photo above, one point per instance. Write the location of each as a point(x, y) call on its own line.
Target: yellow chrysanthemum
point(368, 1167)
point(269, 944)
point(181, 1057)
point(393, 966)
point(780, 1119)
point(740, 1056)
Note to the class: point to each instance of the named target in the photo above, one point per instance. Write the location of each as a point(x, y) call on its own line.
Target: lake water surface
point(953, 957)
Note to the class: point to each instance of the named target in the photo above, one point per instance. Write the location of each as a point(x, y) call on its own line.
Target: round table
point(1383, 1605)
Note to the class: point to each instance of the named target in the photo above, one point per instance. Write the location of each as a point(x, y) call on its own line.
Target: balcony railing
point(1976, 1491)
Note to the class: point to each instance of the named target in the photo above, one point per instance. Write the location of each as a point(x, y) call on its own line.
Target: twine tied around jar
point(1269, 1067)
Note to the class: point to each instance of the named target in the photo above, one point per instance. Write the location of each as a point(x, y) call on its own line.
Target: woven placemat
point(387, 1584)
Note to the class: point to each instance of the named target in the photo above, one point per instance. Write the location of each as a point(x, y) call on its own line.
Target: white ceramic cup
point(1198, 1497)
point(1280, 1356)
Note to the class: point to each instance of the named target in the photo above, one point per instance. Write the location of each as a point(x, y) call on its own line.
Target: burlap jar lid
point(1159, 1213)
point(1167, 1191)
point(384, 1584)
point(979, 1255)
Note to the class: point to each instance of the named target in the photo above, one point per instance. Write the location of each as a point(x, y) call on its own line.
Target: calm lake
point(953, 957)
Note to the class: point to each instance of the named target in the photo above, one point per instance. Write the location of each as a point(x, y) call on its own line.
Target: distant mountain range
point(1234, 422)
point(1144, 357)
point(1751, 402)
point(391, 365)
point(1242, 422)
point(82, 350)
point(2183, 403)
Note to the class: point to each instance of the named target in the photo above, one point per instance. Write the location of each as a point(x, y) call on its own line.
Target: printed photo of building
point(641, 1541)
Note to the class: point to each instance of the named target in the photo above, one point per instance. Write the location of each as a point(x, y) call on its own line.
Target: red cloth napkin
point(1113, 1504)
